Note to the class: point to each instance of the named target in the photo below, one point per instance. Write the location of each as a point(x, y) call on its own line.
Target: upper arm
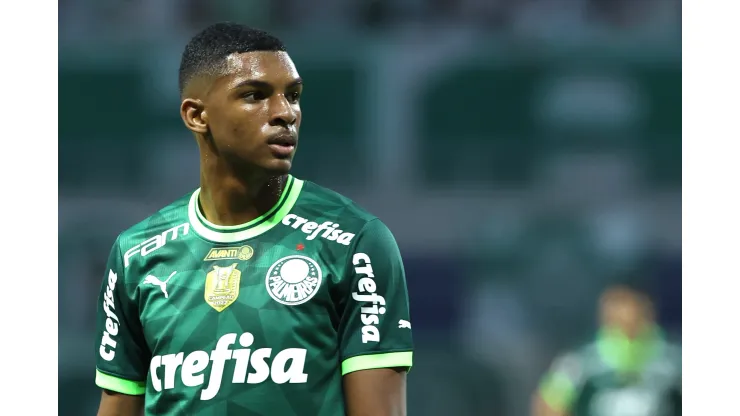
point(375, 339)
point(122, 357)
point(117, 404)
point(541, 408)
point(559, 388)
point(376, 392)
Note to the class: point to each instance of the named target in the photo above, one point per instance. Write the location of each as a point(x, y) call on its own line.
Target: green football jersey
point(259, 319)
point(605, 378)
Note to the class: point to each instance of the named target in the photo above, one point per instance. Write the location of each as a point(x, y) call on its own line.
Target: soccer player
point(258, 293)
point(629, 370)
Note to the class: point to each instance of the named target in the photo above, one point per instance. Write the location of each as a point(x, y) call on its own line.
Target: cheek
point(240, 121)
point(237, 123)
point(241, 133)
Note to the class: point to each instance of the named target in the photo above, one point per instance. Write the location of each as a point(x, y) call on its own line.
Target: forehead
point(272, 67)
point(619, 300)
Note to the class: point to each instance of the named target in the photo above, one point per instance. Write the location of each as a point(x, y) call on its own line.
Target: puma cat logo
point(156, 282)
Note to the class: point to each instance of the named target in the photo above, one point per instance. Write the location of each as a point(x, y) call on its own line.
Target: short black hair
point(207, 51)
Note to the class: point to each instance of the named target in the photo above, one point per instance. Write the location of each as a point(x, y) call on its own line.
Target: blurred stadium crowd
point(80, 17)
point(524, 152)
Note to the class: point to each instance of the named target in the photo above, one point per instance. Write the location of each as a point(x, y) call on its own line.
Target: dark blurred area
point(524, 153)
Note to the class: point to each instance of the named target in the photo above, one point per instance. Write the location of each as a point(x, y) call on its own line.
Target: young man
point(258, 293)
point(630, 369)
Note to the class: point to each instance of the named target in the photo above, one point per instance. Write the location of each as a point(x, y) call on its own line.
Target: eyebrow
point(262, 84)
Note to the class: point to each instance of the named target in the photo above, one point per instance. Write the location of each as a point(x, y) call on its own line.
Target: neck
point(628, 354)
point(230, 198)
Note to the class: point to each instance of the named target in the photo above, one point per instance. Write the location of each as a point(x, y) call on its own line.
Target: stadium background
point(524, 152)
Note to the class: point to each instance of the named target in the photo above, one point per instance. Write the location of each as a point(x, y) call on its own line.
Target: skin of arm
point(376, 392)
point(118, 404)
point(541, 408)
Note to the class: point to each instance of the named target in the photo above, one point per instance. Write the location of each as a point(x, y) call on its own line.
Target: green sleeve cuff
point(386, 360)
point(119, 385)
point(558, 391)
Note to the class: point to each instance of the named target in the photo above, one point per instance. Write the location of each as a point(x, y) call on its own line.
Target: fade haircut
point(207, 51)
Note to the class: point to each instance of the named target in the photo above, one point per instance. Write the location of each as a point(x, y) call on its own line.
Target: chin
point(278, 166)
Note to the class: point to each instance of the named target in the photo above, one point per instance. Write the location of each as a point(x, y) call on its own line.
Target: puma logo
point(156, 282)
point(404, 324)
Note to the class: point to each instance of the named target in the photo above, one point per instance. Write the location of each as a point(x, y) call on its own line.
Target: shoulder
point(576, 363)
point(570, 362)
point(320, 199)
point(319, 207)
point(673, 353)
point(169, 222)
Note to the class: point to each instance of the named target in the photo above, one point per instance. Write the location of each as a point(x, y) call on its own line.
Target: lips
point(282, 139)
point(282, 145)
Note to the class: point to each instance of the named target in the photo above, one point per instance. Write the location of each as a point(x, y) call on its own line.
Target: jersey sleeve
point(122, 356)
point(562, 383)
point(375, 326)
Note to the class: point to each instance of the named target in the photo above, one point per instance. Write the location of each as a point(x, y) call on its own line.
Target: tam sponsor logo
point(155, 243)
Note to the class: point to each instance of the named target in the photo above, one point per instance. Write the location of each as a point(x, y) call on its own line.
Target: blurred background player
point(630, 369)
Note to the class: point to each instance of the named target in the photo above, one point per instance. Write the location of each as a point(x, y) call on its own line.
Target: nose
point(282, 112)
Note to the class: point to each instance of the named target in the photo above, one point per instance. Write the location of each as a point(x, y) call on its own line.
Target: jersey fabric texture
point(258, 319)
point(614, 377)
